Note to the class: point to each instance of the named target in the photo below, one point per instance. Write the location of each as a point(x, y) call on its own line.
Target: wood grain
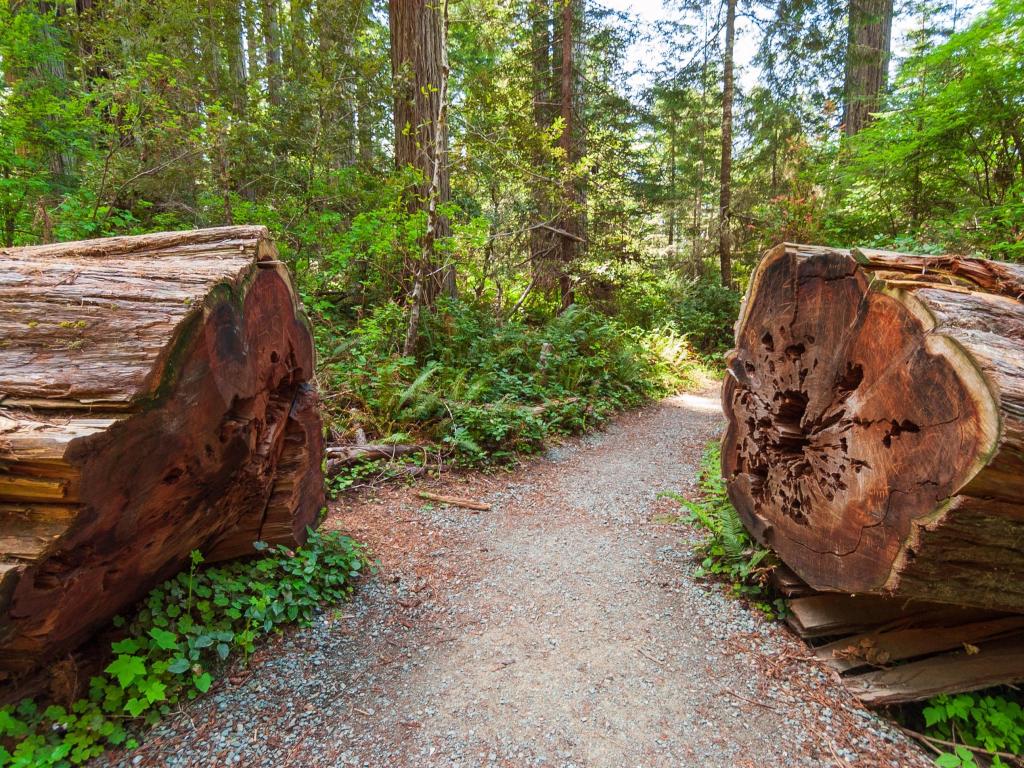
point(154, 399)
point(875, 438)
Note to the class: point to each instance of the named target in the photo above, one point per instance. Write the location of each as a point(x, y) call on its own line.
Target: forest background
point(501, 228)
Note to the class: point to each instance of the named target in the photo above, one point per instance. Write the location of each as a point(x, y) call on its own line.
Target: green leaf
point(153, 690)
point(128, 645)
point(135, 707)
point(165, 640)
point(203, 682)
point(126, 669)
point(179, 665)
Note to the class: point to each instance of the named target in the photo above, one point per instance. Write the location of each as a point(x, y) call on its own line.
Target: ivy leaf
point(128, 645)
point(126, 669)
point(179, 665)
point(154, 690)
point(933, 715)
point(203, 682)
point(165, 640)
point(11, 725)
point(135, 707)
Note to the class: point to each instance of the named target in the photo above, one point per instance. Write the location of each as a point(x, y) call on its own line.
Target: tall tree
point(567, 101)
point(542, 243)
point(725, 178)
point(419, 68)
point(867, 61)
point(272, 49)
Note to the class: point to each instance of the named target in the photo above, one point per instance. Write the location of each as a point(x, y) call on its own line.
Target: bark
point(876, 423)
point(272, 49)
point(567, 98)
point(154, 399)
point(543, 246)
point(725, 178)
point(419, 74)
point(672, 176)
point(867, 60)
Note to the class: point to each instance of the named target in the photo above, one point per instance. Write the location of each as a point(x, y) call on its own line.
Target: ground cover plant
point(170, 650)
point(971, 730)
point(728, 552)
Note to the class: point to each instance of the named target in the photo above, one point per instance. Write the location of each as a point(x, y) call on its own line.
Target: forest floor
point(564, 627)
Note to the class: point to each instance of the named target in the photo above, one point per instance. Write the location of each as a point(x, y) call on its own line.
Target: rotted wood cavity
point(155, 398)
point(875, 438)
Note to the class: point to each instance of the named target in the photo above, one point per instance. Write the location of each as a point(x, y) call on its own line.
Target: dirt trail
point(562, 628)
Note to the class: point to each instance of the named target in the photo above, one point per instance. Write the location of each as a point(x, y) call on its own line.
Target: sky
point(647, 12)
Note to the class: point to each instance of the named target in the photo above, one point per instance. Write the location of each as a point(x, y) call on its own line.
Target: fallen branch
point(339, 456)
point(455, 501)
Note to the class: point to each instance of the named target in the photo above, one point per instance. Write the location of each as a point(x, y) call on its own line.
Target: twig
point(836, 755)
point(751, 701)
point(931, 741)
point(646, 655)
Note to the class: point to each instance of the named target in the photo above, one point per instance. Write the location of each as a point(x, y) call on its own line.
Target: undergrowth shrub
point(483, 391)
point(985, 727)
point(729, 553)
point(170, 649)
point(708, 311)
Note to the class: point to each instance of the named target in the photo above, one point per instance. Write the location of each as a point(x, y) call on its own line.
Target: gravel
point(563, 628)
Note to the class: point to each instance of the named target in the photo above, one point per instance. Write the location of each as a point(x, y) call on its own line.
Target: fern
point(728, 552)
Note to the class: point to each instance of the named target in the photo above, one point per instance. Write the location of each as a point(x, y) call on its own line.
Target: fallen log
point(154, 400)
point(875, 438)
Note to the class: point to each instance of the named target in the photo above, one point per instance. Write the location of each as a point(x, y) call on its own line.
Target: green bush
point(184, 630)
point(707, 311)
point(483, 391)
point(982, 724)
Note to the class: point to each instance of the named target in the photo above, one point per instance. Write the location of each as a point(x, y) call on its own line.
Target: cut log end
point(854, 418)
point(184, 420)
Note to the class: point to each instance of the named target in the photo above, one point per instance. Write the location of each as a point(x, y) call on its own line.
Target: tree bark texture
point(867, 61)
point(875, 406)
point(725, 178)
point(567, 88)
point(418, 68)
point(154, 400)
point(544, 244)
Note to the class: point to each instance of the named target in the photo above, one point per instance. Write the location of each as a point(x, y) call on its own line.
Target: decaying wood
point(884, 647)
point(154, 399)
point(876, 423)
point(997, 663)
point(339, 456)
point(891, 650)
point(824, 615)
point(480, 506)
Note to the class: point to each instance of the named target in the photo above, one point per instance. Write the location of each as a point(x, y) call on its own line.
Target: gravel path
point(562, 628)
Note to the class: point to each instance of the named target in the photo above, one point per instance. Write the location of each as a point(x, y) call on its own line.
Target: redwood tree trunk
point(867, 60)
point(418, 68)
point(876, 422)
point(569, 225)
point(725, 179)
point(543, 244)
